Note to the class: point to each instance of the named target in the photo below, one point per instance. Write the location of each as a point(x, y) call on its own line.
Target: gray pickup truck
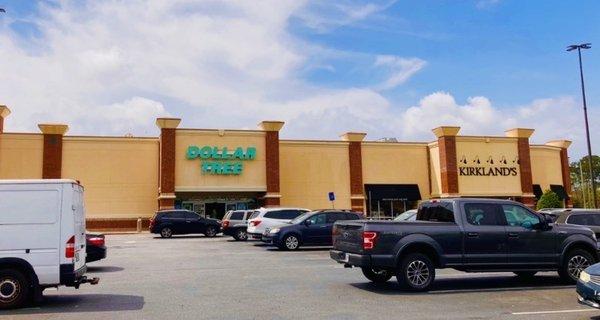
point(472, 235)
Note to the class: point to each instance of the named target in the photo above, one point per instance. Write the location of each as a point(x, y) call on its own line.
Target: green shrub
point(549, 200)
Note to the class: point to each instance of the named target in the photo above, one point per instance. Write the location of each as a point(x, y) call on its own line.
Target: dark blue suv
point(312, 228)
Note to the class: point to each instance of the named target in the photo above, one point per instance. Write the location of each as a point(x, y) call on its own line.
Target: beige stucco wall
point(120, 175)
point(309, 170)
point(188, 175)
point(435, 171)
point(545, 166)
point(483, 148)
point(396, 163)
point(21, 156)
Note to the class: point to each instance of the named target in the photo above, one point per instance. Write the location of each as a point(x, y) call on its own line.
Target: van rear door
point(79, 226)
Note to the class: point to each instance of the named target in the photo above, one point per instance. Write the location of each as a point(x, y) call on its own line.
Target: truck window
point(483, 214)
point(517, 216)
point(438, 212)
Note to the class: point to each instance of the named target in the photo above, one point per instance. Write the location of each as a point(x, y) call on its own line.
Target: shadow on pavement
point(82, 303)
point(302, 249)
point(103, 269)
point(175, 237)
point(470, 284)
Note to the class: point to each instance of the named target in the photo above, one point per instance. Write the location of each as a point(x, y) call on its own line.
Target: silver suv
point(235, 224)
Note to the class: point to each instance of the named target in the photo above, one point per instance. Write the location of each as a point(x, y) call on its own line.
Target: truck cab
point(42, 238)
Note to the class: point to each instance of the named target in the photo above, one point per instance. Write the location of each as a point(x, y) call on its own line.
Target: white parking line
point(552, 312)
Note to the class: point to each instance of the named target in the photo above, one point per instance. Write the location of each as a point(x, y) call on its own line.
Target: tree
point(582, 187)
point(549, 200)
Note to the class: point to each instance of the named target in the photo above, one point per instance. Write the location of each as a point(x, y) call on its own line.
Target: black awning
point(560, 191)
point(537, 191)
point(402, 192)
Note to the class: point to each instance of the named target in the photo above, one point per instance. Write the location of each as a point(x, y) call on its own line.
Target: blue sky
point(388, 68)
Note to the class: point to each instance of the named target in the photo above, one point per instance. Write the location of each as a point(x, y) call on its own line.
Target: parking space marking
point(552, 312)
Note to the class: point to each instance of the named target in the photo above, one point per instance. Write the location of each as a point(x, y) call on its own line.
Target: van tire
point(377, 275)
point(166, 232)
point(240, 235)
point(211, 232)
point(416, 272)
point(14, 289)
point(290, 242)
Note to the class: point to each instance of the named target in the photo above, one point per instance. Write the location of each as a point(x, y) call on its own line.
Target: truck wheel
point(525, 274)
point(166, 232)
point(416, 272)
point(290, 242)
point(574, 262)
point(14, 289)
point(377, 275)
point(240, 235)
point(210, 232)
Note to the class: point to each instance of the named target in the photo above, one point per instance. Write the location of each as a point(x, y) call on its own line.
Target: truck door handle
point(472, 234)
point(188, 221)
point(513, 235)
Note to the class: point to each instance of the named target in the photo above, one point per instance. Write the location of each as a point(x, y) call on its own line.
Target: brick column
point(522, 135)
point(52, 154)
point(564, 163)
point(271, 128)
point(448, 160)
point(166, 183)
point(357, 195)
point(4, 112)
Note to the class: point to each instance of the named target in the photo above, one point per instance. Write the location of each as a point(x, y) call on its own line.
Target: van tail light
point(225, 224)
point(96, 241)
point(70, 248)
point(255, 223)
point(369, 239)
point(151, 223)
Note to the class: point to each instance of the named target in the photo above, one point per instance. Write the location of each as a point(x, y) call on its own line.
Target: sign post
point(332, 199)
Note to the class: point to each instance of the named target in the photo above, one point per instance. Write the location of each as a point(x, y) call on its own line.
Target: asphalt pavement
point(193, 277)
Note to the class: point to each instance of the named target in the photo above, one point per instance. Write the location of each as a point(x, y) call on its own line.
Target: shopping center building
point(211, 171)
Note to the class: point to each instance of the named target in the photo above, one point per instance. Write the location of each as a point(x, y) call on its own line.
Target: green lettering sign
point(214, 160)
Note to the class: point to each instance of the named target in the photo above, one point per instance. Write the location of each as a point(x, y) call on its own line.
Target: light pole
point(587, 128)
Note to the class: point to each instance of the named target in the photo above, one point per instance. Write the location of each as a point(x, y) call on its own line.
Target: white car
point(264, 218)
point(42, 238)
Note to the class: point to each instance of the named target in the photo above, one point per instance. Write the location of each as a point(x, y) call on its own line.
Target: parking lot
point(193, 277)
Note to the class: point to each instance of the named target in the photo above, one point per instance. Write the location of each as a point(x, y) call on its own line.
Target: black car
point(581, 217)
point(95, 247)
point(312, 228)
point(170, 222)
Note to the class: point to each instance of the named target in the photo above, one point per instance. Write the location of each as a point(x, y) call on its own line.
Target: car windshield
point(406, 215)
point(301, 217)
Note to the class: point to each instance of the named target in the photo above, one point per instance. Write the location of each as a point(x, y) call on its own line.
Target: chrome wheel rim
point(210, 232)
point(291, 242)
point(242, 235)
point(576, 265)
point(166, 232)
point(417, 273)
point(9, 290)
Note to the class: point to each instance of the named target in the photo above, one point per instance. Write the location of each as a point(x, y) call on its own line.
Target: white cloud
point(400, 69)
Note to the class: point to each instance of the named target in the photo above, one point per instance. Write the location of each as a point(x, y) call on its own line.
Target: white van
point(42, 238)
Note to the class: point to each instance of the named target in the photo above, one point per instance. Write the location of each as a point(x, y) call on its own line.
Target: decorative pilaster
point(448, 162)
point(166, 188)
point(564, 162)
point(52, 154)
point(523, 135)
point(272, 128)
point(357, 197)
point(4, 112)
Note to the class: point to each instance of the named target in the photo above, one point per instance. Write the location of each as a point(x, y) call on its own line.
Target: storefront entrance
point(387, 201)
point(216, 204)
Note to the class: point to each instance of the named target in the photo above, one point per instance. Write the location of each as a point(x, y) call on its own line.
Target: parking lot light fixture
point(578, 47)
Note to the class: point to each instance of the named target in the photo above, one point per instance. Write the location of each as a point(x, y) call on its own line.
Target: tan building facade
point(212, 171)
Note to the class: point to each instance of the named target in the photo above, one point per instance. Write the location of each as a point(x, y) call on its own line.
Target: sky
point(387, 68)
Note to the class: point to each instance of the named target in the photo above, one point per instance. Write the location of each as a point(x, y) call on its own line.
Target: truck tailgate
point(347, 236)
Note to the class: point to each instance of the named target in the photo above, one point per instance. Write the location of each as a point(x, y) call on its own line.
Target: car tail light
point(225, 224)
point(151, 223)
point(70, 248)
point(335, 231)
point(369, 238)
point(96, 241)
point(255, 223)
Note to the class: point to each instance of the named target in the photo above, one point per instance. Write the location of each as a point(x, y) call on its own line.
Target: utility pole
point(587, 128)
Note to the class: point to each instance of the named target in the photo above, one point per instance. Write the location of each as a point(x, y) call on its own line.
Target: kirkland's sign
point(500, 166)
point(215, 160)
